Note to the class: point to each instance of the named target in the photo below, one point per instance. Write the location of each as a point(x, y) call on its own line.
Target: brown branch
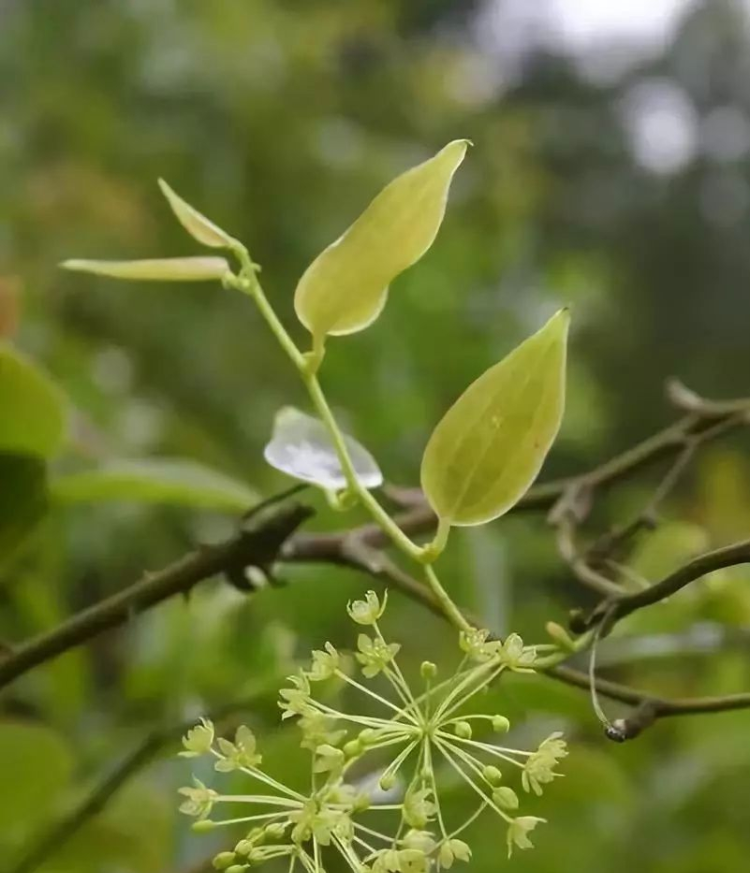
point(255, 545)
point(619, 606)
point(647, 707)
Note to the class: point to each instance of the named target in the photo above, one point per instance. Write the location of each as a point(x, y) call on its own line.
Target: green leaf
point(490, 445)
point(32, 411)
point(155, 480)
point(23, 499)
point(345, 288)
point(197, 225)
point(301, 447)
point(154, 270)
point(36, 764)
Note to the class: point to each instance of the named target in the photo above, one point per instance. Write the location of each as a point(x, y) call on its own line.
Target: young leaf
point(301, 447)
point(490, 445)
point(156, 270)
point(197, 225)
point(155, 480)
point(32, 410)
point(345, 288)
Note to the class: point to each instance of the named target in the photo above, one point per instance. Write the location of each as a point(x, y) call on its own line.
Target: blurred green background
point(611, 171)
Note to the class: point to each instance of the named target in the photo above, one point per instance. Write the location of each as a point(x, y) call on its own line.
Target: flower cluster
point(421, 733)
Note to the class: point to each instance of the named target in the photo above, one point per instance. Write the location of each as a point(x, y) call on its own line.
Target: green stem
point(307, 366)
point(454, 614)
point(369, 502)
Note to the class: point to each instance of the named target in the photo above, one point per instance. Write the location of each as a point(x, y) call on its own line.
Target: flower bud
point(224, 860)
point(361, 802)
point(500, 724)
point(275, 830)
point(505, 798)
point(560, 636)
point(387, 781)
point(492, 775)
point(203, 826)
point(428, 670)
point(367, 736)
point(462, 729)
point(353, 748)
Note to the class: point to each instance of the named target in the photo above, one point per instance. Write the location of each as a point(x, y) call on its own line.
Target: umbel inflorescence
point(398, 825)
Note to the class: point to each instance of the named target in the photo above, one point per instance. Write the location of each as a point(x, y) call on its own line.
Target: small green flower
point(296, 701)
point(328, 759)
point(369, 610)
point(418, 809)
point(413, 861)
point(515, 657)
point(476, 645)
point(518, 832)
point(200, 799)
point(401, 861)
point(375, 654)
point(317, 730)
point(324, 664)
point(422, 840)
point(198, 740)
point(453, 850)
point(241, 753)
point(539, 767)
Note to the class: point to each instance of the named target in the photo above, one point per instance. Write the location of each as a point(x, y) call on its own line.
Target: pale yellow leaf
point(490, 445)
point(345, 288)
point(198, 226)
point(157, 270)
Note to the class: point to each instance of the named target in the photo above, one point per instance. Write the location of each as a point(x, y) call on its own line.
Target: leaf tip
point(76, 264)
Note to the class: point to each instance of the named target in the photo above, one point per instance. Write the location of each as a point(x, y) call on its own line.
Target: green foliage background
point(280, 120)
